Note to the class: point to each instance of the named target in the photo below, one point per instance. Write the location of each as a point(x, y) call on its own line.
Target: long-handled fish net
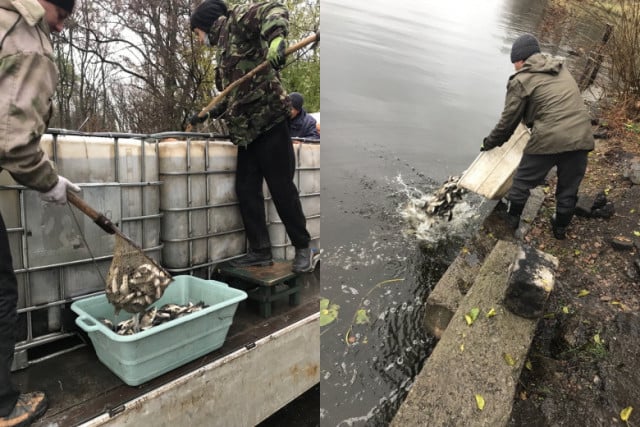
point(134, 281)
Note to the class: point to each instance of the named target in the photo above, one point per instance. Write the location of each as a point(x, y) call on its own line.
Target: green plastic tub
point(147, 354)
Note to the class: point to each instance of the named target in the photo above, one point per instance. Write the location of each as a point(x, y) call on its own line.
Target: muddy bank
point(585, 367)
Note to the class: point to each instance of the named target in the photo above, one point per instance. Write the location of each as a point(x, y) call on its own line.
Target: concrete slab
point(483, 359)
point(445, 297)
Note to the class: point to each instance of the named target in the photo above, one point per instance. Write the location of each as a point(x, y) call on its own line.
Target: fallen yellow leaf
point(461, 348)
point(565, 309)
point(626, 413)
point(528, 365)
point(472, 315)
point(480, 402)
point(509, 359)
point(491, 313)
point(596, 339)
point(583, 293)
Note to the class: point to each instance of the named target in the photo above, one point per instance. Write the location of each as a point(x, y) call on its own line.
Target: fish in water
point(443, 200)
point(153, 317)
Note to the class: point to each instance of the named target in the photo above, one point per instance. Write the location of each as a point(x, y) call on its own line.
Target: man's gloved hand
point(58, 194)
point(195, 119)
point(485, 146)
point(276, 55)
point(214, 113)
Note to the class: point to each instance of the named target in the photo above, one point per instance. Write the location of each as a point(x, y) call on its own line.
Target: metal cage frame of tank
point(195, 245)
point(76, 272)
point(108, 197)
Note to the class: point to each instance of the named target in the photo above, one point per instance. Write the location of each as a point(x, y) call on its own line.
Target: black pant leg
point(250, 197)
point(8, 323)
point(531, 171)
point(277, 162)
point(572, 166)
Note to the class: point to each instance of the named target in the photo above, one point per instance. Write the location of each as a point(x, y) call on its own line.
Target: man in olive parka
point(543, 94)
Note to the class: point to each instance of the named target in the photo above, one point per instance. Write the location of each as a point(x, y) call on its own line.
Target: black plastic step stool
point(267, 278)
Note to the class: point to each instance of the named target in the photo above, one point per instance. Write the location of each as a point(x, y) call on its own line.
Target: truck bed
point(80, 388)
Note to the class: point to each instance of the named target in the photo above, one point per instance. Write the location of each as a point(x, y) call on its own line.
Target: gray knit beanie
point(524, 46)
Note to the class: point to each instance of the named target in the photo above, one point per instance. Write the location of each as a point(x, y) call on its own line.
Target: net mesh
point(135, 281)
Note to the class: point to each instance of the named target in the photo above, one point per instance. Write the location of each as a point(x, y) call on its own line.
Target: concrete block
point(443, 300)
point(530, 211)
point(471, 360)
point(531, 280)
point(445, 297)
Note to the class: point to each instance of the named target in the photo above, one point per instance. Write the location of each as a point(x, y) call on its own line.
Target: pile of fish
point(443, 200)
point(136, 291)
point(153, 317)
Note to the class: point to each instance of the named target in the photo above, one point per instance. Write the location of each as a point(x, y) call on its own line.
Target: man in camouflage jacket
point(256, 113)
point(28, 77)
point(543, 94)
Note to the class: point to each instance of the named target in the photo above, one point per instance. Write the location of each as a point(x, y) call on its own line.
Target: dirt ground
point(585, 358)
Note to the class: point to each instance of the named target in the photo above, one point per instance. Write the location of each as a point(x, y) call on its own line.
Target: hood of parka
point(541, 63)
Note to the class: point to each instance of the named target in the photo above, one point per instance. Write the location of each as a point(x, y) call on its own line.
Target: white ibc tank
point(52, 246)
point(201, 221)
point(307, 179)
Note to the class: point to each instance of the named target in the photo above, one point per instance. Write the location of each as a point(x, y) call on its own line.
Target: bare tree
point(133, 65)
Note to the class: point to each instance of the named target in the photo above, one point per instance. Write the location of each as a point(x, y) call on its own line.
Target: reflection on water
point(409, 88)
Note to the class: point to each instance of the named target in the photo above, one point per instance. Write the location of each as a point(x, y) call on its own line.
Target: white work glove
point(58, 194)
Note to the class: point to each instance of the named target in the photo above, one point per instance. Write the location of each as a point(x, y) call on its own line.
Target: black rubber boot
point(257, 258)
point(559, 224)
point(512, 214)
point(305, 260)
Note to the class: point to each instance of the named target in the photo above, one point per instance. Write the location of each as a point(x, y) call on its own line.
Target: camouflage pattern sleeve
point(28, 78)
point(274, 18)
point(261, 102)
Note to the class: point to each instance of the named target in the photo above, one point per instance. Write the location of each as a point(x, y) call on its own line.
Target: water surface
point(408, 91)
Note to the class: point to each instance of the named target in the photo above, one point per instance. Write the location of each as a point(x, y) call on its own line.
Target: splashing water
point(430, 228)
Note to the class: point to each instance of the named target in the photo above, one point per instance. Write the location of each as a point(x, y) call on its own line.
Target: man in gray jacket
point(28, 78)
point(543, 94)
